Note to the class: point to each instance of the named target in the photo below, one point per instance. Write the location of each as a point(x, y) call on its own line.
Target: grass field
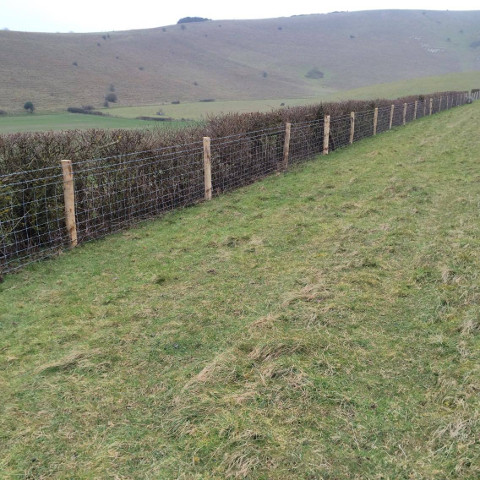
point(199, 110)
point(72, 121)
point(125, 117)
point(324, 323)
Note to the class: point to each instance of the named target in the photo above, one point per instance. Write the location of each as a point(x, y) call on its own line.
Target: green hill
point(302, 56)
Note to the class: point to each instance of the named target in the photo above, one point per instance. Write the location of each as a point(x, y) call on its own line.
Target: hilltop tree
point(192, 20)
point(29, 107)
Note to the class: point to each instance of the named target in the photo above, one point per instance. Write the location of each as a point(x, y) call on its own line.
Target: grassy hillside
point(228, 60)
point(320, 324)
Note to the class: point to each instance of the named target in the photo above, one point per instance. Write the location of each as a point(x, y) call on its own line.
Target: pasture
point(70, 121)
point(322, 323)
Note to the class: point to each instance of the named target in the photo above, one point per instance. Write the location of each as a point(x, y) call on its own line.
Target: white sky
point(109, 15)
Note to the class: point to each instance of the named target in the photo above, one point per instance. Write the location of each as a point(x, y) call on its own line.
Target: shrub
point(314, 73)
point(207, 100)
point(155, 119)
point(75, 64)
point(29, 107)
point(86, 110)
point(176, 102)
point(111, 88)
point(111, 97)
point(264, 74)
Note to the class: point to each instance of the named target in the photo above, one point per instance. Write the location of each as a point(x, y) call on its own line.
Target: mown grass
point(320, 324)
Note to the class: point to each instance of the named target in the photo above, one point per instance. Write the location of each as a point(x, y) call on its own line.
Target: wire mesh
point(32, 218)
point(112, 193)
point(242, 159)
point(306, 140)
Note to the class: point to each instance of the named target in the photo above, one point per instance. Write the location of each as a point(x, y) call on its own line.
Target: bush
point(155, 119)
point(111, 97)
point(176, 102)
point(88, 110)
point(314, 73)
point(3, 112)
point(29, 107)
point(207, 100)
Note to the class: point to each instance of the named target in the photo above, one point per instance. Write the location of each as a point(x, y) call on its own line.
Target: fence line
point(46, 210)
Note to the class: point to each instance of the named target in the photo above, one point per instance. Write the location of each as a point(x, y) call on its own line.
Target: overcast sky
point(109, 15)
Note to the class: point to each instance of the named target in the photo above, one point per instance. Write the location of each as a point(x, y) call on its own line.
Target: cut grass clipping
point(324, 323)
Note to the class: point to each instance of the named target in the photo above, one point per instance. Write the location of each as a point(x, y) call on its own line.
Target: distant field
point(198, 110)
point(125, 117)
point(71, 121)
point(414, 86)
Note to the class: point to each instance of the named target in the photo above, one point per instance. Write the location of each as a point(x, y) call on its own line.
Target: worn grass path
point(322, 324)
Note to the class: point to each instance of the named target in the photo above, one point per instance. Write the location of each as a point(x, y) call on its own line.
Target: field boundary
point(60, 206)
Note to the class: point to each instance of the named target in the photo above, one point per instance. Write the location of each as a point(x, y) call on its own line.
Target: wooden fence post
point(405, 113)
point(440, 104)
point(431, 106)
point(326, 134)
point(448, 98)
point(424, 107)
point(207, 167)
point(286, 145)
point(375, 120)
point(352, 126)
point(69, 197)
point(415, 110)
point(392, 109)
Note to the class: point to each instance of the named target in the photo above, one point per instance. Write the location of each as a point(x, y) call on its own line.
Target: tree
point(111, 97)
point(29, 107)
point(192, 20)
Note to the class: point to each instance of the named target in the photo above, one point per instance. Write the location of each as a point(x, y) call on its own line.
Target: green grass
point(72, 121)
point(324, 323)
point(200, 110)
point(414, 86)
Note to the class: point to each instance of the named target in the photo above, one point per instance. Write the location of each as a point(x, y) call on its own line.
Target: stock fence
point(40, 207)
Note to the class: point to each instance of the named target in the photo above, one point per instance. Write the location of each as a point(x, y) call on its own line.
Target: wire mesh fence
point(239, 160)
point(114, 192)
